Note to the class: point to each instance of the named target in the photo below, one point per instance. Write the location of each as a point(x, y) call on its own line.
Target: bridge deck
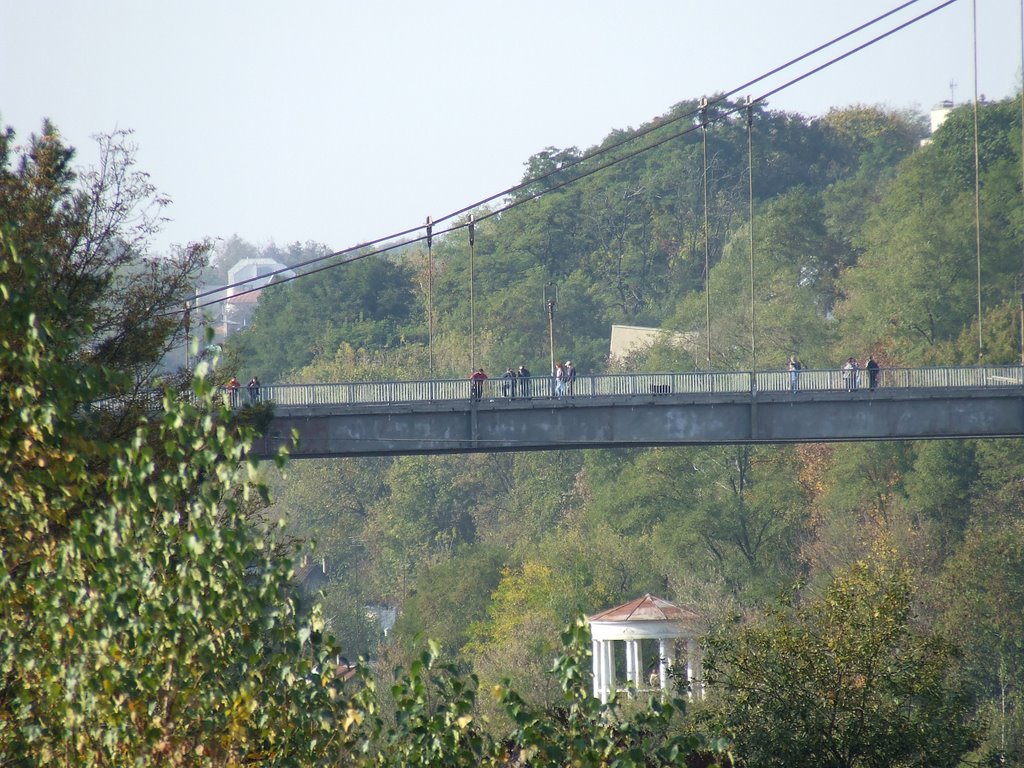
point(382, 418)
point(636, 384)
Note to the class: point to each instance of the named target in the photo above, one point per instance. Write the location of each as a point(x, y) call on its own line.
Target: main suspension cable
point(572, 164)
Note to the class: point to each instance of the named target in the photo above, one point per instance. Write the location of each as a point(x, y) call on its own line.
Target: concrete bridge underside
point(546, 424)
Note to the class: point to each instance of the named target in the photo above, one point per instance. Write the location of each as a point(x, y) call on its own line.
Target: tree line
point(861, 242)
point(150, 606)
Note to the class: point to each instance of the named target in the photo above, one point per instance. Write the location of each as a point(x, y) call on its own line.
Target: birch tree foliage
point(144, 621)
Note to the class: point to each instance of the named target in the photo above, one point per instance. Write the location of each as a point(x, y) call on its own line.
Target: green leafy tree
point(869, 477)
point(423, 519)
point(842, 680)
point(626, 263)
point(437, 721)
point(541, 484)
point(366, 304)
point(144, 621)
point(981, 597)
point(576, 568)
point(325, 505)
point(89, 230)
point(939, 488)
point(1000, 335)
point(914, 288)
point(878, 141)
point(449, 598)
point(795, 265)
point(732, 514)
point(860, 501)
point(520, 632)
point(579, 731)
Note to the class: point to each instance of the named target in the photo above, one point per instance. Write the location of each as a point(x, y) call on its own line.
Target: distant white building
point(936, 118)
point(939, 114)
point(248, 277)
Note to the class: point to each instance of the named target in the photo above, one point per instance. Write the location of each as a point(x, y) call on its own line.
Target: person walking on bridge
point(233, 387)
point(524, 381)
point(850, 374)
point(872, 367)
point(508, 383)
point(559, 381)
point(794, 373)
point(477, 384)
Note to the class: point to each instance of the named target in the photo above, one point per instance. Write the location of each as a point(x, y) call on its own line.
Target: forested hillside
point(861, 240)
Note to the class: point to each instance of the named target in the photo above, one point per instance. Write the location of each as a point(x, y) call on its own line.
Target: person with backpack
point(794, 373)
point(570, 378)
point(873, 369)
point(524, 381)
point(508, 383)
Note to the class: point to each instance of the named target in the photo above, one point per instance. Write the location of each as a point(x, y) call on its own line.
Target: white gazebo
point(646, 618)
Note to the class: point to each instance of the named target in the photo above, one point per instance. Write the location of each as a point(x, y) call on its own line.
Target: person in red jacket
point(233, 387)
point(477, 389)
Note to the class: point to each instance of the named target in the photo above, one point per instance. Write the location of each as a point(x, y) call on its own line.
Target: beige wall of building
point(632, 338)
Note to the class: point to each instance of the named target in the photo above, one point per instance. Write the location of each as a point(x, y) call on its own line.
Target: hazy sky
point(340, 122)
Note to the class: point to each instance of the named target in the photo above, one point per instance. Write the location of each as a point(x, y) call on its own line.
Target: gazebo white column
point(608, 664)
point(694, 669)
point(634, 664)
point(630, 670)
point(666, 658)
point(638, 664)
point(604, 669)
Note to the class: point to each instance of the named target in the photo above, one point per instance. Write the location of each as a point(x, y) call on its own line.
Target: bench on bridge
point(661, 389)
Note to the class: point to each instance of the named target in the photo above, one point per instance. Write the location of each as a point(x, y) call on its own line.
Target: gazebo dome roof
point(647, 616)
point(647, 608)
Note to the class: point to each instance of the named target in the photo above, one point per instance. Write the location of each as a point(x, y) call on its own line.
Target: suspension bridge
point(383, 418)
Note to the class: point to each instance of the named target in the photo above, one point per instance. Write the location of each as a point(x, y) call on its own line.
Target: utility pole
point(550, 303)
point(430, 298)
point(188, 338)
point(472, 306)
point(707, 236)
point(750, 203)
